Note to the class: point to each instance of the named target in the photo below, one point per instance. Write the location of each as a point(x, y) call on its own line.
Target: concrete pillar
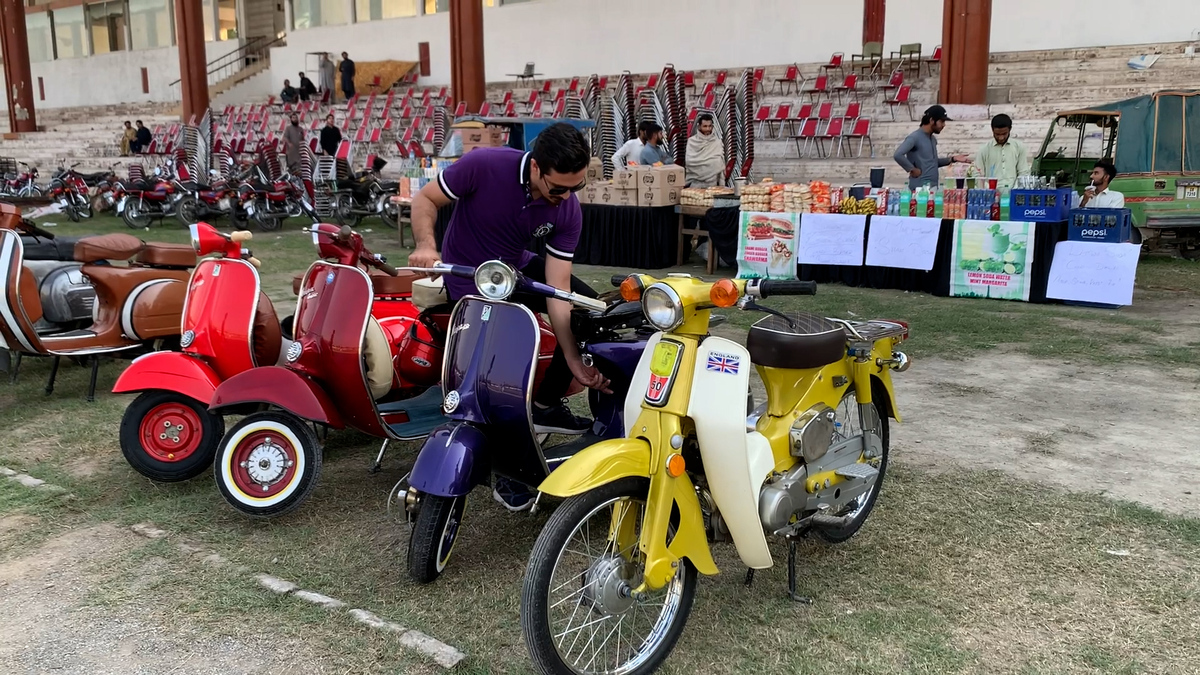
point(193, 62)
point(873, 13)
point(17, 75)
point(466, 52)
point(966, 47)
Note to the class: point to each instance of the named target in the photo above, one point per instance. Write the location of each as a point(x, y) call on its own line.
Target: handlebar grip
point(241, 235)
point(254, 261)
point(386, 268)
point(787, 287)
point(618, 279)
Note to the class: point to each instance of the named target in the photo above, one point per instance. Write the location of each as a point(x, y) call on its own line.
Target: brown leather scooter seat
point(814, 342)
point(266, 335)
point(167, 255)
point(107, 247)
point(386, 284)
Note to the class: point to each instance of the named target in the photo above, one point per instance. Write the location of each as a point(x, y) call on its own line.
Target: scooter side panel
point(735, 462)
point(280, 387)
point(618, 362)
point(170, 371)
point(15, 323)
point(222, 298)
point(452, 461)
point(490, 365)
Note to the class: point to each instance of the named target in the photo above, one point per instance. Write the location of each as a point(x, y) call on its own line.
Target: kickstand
point(91, 395)
point(749, 577)
point(16, 367)
point(379, 458)
point(53, 374)
point(792, 576)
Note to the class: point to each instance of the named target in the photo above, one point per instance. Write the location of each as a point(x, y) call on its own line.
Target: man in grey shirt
point(918, 154)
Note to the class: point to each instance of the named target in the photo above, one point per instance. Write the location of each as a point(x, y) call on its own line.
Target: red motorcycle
point(229, 326)
point(23, 184)
point(268, 203)
point(147, 200)
point(70, 190)
point(350, 366)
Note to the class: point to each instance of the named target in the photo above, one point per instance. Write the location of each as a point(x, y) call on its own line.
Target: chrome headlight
point(663, 308)
point(495, 280)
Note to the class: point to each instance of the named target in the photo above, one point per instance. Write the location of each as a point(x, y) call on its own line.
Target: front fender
point(883, 381)
point(613, 460)
point(170, 371)
point(597, 465)
point(279, 387)
point(452, 461)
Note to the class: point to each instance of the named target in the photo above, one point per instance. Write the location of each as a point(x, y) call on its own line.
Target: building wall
point(107, 79)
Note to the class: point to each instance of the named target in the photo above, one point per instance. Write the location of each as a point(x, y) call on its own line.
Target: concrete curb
point(439, 652)
point(31, 482)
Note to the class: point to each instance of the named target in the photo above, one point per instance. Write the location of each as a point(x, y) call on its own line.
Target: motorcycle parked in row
point(268, 203)
point(142, 202)
point(495, 357)
point(229, 326)
point(70, 190)
point(95, 308)
point(22, 185)
point(365, 355)
point(365, 195)
point(216, 199)
point(640, 511)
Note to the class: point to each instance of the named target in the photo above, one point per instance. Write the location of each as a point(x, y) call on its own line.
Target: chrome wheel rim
point(596, 624)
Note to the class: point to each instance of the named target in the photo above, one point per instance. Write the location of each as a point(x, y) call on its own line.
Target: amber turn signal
point(631, 289)
point(675, 465)
point(724, 293)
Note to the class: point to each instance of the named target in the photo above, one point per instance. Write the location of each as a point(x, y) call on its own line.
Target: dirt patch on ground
point(1124, 431)
point(15, 521)
point(29, 445)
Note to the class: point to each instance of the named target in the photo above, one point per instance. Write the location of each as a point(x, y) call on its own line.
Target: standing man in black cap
point(918, 153)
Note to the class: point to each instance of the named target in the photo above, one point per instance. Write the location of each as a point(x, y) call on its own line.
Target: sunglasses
point(558, 190)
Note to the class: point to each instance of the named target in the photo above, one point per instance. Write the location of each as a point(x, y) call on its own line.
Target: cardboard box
point(670, 176)
point(589, 194)
point(595, 170)
point(625, 179)
point(658, 196)
point(488, 137)
point(615, 196)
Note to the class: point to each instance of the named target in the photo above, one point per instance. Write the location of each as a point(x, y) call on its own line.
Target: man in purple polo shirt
point(504, 199)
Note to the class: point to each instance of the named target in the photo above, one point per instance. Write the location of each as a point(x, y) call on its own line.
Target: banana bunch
point(859, 207)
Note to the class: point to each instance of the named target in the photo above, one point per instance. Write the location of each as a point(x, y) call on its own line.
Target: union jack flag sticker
point(723, 363)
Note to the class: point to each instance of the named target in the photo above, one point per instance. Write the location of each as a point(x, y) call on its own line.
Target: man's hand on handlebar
point(424, 257)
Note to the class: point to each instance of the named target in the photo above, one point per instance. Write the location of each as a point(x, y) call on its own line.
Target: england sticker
point(726, 364)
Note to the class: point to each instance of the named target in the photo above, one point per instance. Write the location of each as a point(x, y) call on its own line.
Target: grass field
point(958, 571)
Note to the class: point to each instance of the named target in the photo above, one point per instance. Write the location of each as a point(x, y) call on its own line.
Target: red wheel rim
point(264, 464)
point(171, 432)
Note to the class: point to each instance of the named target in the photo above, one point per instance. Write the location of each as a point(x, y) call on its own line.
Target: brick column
point(193, 62)
point(966, 33)
point(466, 52)
point(15, 45)
point(873, 18)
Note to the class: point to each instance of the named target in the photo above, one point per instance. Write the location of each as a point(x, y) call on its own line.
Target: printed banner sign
point(991, 260)
point(767, 244)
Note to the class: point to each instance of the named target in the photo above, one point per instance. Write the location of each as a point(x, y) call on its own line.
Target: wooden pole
point(18, 77)
point(466, 52)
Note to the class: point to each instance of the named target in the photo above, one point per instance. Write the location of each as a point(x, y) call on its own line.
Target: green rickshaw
point(1154, 141)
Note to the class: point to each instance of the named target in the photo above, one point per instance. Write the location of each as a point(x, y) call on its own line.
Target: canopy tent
point(1159, 133)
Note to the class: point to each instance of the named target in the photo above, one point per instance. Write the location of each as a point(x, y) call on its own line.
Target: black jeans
point(558, 373)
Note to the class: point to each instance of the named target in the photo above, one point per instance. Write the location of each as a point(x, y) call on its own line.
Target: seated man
point(289, 93)
point(1097, 195)
point(143, 139)
point(505, 198)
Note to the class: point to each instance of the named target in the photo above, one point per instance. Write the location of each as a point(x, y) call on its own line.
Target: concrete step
point(1116, 51)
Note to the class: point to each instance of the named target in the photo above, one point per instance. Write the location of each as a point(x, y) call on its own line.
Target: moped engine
point(812, 432)
point(66, 296)
point(783, 497)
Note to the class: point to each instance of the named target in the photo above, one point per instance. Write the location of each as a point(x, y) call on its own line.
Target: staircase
point(246, 63)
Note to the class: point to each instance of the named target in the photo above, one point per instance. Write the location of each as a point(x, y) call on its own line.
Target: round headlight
point(294, 351)
point(662, 307)
point(495, 280)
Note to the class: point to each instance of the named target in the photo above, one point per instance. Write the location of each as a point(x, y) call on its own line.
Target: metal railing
point(255, 50)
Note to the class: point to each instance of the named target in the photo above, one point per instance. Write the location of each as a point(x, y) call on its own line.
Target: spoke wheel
point(268, 464)
point(168, 437)
point(433, 536)
point(578, 614)
point(849, 423)
point(134, 217)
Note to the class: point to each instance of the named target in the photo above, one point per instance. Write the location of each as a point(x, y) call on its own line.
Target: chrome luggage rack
point(870, 331)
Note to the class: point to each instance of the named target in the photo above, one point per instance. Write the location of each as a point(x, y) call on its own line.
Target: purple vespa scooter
point(488, 376)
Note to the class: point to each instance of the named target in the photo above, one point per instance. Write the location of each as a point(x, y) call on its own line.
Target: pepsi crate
point(1040, 206)
point(1112, 226)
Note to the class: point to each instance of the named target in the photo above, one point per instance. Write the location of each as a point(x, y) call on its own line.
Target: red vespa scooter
point(229, 326)
point(346, 368)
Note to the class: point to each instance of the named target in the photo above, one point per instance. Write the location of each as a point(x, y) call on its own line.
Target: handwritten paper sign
point(905, 243)
point(832, 239)
point(1087, 271)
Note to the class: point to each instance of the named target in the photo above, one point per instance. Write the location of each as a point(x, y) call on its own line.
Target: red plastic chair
point(560, 109)
point(862, 131)
point(407, 113)
point(409, 133)
point(402, 150)
point(849, 85)
point(415, 150)
point(762, 117)
point(722, 76)
point(461, 109)
point(485, 109)
point(782, 114)
point(709, 101)
point(689, 81)
point(808, 134)
point(376, 135)
point(799, 116)
point(791, 79)
point(825, 112)
point(534, 98)
point(574, 86)
point(853, 111)
point(602, 84)
point(759, 74)
point(343, 151)
point(893, 82)
point(545, 90)
point(902, 97)
point(535, 110)
point(820, 88)
point(360, 135)
point(834, 130)
point(507, 97)
point(934, 60)
point(510, 110)
point(835, 63)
